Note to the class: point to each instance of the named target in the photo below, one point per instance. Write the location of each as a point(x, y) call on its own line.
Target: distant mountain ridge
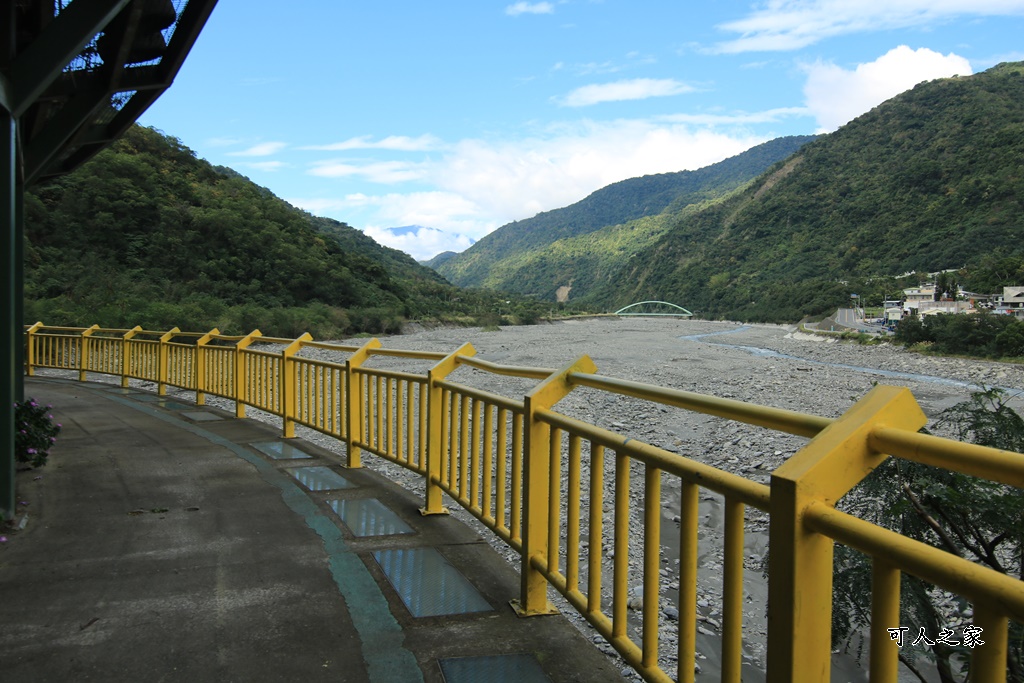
point(148, 234)
point(929, 180)
point(438, 260)
point(536, 256)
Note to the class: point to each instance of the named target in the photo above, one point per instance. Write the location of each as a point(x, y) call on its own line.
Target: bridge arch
point(655, 308)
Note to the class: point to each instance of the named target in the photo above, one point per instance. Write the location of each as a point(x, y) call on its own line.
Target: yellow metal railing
point(517, 465)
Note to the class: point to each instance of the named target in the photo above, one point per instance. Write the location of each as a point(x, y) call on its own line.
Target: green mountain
point(147, 234)
point(929, 180)
point(562, 248)
point(441, 258)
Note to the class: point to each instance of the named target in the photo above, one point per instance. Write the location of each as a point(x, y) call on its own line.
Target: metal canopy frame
point(74, 75)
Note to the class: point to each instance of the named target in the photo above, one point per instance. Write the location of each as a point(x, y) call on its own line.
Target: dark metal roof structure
point(74, 75)
point(80, 72)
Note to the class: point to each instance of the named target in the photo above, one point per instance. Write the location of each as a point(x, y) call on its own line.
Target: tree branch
point(907, 663)
point(944, 536)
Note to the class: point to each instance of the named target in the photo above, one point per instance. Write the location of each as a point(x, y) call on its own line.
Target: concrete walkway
point(167, 542)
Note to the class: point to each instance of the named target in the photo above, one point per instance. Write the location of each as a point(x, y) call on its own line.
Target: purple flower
point(31, 450)
point(58, 424)
point(53, 440)
point(3, 539)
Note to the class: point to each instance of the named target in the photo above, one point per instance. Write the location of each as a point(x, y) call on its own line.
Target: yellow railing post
point(288, 389)
point(354, 413)
point(533, 596)
point(83, 352)
point(800, 560)
point(30, 349)
point(436, 415)
point(163, 371)
point(126, 354)
point(200, 362)
point(241, 381)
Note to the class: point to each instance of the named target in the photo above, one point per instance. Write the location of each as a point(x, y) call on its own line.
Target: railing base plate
point(521, 612)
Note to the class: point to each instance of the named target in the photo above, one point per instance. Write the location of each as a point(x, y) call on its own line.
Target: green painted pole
point(10, 338)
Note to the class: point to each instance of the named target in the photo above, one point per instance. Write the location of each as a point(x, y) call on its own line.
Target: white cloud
point(267, 165)
point(262, 149)
point(634, 89)
point(517, 179)
point(400, 143)
point(481, 184)
point(738, 118)
point(835, 95)
point(518, 8)
point(793, 24)
point(423, 244)
point(385, 172)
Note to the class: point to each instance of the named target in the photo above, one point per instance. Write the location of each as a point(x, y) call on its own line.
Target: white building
point(1012, 302)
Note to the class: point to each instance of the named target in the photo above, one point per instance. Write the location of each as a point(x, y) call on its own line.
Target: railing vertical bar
point(464, 413)
point(488, 462)
point(652, 565)
point(389, 401)
point(885, 613)
point(312, 380)
point(595, 530)
point(380, 434)
point(322, 397)
point(447, 434)
point(732, 592)
point(500, 477)
point(572, 519)
point(554, 497)
point(474, 457)
point(410, 426)
point(373, 394)
point(517, 475)
point(688, 550)
point(620, 563)
point(331, 413)
point(988, 660)
point(422, 436)
point(400, 451)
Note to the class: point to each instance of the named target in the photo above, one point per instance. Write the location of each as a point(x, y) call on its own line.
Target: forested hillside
point(515, 257)
point(930, 180)
point(147, 234)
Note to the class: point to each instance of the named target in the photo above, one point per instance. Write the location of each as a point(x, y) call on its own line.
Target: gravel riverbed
point(769, 365)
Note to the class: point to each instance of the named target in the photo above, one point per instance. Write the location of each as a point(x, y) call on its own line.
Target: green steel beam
point(10, 327)
point(11, 336)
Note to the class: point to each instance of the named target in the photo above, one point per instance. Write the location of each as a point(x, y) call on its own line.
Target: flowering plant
point(35, 432)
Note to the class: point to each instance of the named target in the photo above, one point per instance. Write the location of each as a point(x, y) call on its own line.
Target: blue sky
point(465, 115)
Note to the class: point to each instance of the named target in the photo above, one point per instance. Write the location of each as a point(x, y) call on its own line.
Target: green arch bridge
point(662, 308)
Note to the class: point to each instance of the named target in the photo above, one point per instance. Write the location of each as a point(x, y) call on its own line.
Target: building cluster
point(924, 301)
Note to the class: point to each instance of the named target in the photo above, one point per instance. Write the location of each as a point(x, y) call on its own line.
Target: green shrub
point(37, 432)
